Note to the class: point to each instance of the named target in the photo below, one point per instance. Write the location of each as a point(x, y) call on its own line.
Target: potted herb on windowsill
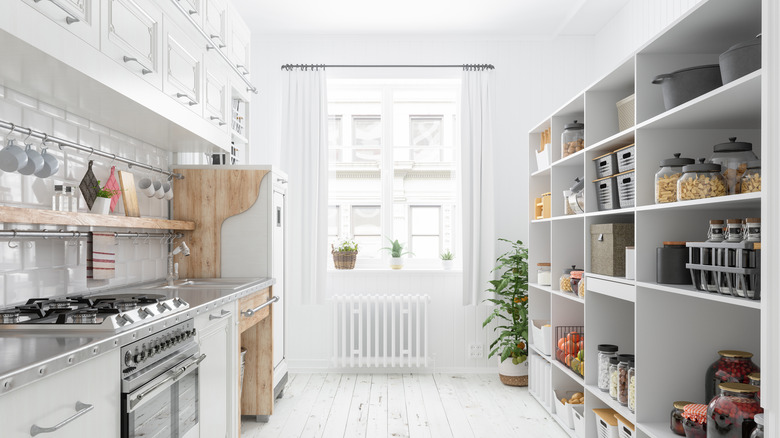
point(396, 253)
point(511, 301)
point(447, 260)
point(344, 254)
point(102, 204)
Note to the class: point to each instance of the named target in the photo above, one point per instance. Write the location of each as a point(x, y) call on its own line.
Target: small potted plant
point(447, 260)
point(345, 253)
point(102, 204)
point(396, 252)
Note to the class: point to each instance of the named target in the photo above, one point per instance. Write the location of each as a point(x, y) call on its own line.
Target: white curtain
point(477, 184)
point(305, 159)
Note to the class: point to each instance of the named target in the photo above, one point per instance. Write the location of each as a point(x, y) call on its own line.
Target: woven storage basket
point(344, 259)
point(625, 110)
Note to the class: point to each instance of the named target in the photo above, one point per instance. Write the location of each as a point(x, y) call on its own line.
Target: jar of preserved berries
point(695, 423)
point(755, 380)
point(730, 414)
point(572, 138)
point(676, 419)
point(622, 369)
point(752, 232)
point(606, 352)
point(543, 275)
point(751, 179)
point(613, 377)
point(733, 157)
point(575, 279)
point(565, 282)
point(666, 178)
point(758, 432)
point(732, 367)
point(700, 181)
point(734, 230)
point(632, 386)
point(715, 232)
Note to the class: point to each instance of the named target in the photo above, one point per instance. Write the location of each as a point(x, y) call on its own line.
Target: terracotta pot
point(511, 374)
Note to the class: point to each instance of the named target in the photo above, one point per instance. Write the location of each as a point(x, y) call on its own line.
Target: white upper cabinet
point(238, 43)
point(79, 17)
point(131, 35)
point(215, 21)
point(215, 93)
point(183, 66)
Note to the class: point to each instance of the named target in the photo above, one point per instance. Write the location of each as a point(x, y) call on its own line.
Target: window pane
point(425, 247)
point(425, 131)
point(366, 221)
point(369, 246)
point(425, 221)
point(334, 131)
point(366, 131)
point(333, 221)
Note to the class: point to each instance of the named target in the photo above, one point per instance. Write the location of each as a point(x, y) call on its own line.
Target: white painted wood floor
point(404, 405)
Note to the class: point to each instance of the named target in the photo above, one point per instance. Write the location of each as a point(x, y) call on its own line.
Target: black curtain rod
point(317, 66)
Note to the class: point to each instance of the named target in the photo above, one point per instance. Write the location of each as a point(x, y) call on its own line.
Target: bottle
point(56, 199)
point(758, 432)
point(632, 386)
point(74, 198)
point(67, 200)
point(715, 232)
point(752, 232)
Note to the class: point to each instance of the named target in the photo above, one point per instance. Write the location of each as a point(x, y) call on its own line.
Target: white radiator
point(380, 330)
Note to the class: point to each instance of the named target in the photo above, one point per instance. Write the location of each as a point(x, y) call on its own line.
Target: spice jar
point(666, 178)
point(732, 367)
point(575, 279)
point(606, 352)
point(572, 139)
point(695, 420)
point(632, 386)
point(733, 157)
point(543, 274)
point(715, 232)
point(755, 380)
point(613, 377)
point(731, 413)
point(700, 181)
point(676, 419)
point(752, 231)
point(751, 179)
point(622, 369)
point(758, 432)
point(565, 282)
point(733, 230)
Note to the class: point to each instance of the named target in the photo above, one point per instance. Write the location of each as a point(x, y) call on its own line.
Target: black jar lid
point(702, 167)
point(677, 161)
point(733, 146)
point(613, 361)
point(625, 357)
point(574, 125)
point(754, 164)
point(607, 348)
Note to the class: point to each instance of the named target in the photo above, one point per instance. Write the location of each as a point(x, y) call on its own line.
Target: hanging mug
point(145, 186)
point(12, 157)
point(34, 161)
point(50, 165)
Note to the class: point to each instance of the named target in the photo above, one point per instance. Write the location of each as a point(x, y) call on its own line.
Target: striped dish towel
point(101, 255)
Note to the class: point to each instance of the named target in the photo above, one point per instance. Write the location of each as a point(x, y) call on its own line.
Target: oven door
point(166, 407)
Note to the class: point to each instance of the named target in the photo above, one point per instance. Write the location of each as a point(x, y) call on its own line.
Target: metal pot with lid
point(666, 178)
point(689, 83)
point(740, 59)
point(733, 157)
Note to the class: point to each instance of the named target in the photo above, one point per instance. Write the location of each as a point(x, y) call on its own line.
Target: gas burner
point(58, 304)
point(123, 304)
point(9, 316)
point(84, 316)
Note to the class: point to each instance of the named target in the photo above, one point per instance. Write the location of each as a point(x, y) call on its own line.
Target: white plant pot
point(447, 264)
point(396, 262)
point(101, 205)
point(511, 374)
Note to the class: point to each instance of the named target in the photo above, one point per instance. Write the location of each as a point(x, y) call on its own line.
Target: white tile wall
point(42, 268)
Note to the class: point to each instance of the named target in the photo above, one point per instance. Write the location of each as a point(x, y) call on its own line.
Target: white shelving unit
point(674, 331)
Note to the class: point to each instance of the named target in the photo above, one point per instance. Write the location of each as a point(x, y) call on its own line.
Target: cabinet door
point(238, 43)
point(182, 70)
point(53, 399)
point(215, 19)
point(131, 35)
point(215, 93)
point(277, 271)
point(215, 380)
point(79, 17)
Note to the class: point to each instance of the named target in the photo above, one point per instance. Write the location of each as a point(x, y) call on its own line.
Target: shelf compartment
point(656, 430)
point(736, 202)
point(613, 404)
point(616, 141)
point(47, 217)
point(619, 288)
point(540, 354)
point(692, 292)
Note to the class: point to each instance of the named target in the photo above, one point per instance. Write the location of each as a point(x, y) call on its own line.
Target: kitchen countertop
point(27, 355)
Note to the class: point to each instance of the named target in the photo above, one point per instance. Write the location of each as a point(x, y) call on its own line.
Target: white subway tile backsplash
point(11, 111)
point(51, 110)
point(78, 120)
point(31, 118)
point(20, 286)
point(21, 98)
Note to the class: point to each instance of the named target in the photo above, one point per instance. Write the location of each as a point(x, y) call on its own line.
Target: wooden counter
point(256, 335)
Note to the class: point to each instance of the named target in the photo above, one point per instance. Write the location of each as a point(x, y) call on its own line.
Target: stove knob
point(137, 358)
point(129, 359)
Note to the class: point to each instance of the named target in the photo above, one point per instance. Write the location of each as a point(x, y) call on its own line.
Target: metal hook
point(28, 135)
point(74, 239)
point(116, 240)
point(112, 161)
point(91, 151)
point(146, 241)
point(15, 245)
point(135, 239)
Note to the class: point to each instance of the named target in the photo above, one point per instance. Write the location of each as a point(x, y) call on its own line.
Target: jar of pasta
point(733, 158)
point(701, 180)
point(666, 178)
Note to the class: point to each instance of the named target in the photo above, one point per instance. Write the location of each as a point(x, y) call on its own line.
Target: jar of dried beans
point(730, 414)
point(632, 386)
point(622, 370)
point(565, 282)
point(572, 139)
point(731, 367)
point(702, 180)
point(666, 178)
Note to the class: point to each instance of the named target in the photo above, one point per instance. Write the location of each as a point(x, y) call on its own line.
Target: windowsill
point(388, 270)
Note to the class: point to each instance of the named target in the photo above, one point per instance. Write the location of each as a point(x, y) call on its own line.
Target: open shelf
point(742, 200)
point(47, 217)
point(540, 354)
point(691, 291)
point(617, 211)
point(542, 172)
point(540, 287)
point(566, 370)
point(656, 430)
point(613, 404)
point(569, 296)
point(623, 138)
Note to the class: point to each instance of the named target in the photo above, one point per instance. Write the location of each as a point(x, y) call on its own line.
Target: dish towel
point(101, 256)
point(113, 184)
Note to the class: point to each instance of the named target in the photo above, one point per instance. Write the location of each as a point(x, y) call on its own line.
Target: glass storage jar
point(574, 198)
point(666, 178)
point(613, 377)
point(751, 179)
point(606, 352)
point(758, 432)
point(755, 380)
point(543, 274)
point(731, 367)
point(676, 419)
point(733, 158)
point(702, 180)
point(715, 231)
point(622, 370)
point(572, 138)
point(695, 420)
point(752, 232)
point(565, 282)
point(576, 280)
point(730, 414)
point(734, 230)
point(632, 386)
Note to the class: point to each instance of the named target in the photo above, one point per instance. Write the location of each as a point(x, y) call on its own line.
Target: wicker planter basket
point(344, 259)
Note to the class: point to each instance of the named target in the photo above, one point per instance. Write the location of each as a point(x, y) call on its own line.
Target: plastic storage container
point(751, 179)
point(752, 231)
point(543, 274)
point(626, 182)
point(758, 432)
point(666, 178)
point(670, 263)
point(606, 423)
point(715, 233)
point(733, 158)
point(625, 427)
point(606, 352)
point(572, 139)
point(702, 180)
point(731, 367)
point(607, 193)
point(676, 420)
point(625, 158)
point(730, 414)
point(606, 165)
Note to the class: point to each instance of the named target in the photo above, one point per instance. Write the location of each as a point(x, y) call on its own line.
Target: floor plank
point(320, 411)
point(303, 407)
point(282, 410)
point(339, 411)
point(397, 420)
point(377, 407)
point(434, 407)
point(456, 415)
point(416, 410)
point(357, 421)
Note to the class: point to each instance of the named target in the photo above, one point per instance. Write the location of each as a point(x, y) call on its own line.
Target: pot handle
point(660, 78)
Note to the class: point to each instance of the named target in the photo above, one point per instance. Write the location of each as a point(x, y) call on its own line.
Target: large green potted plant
point(511, 300)
point(396, 250)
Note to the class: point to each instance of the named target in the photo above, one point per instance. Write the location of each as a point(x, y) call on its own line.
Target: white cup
point(145, 186)
point(50, 165)
point(159, 193)
point(34, 161)
point(12, 157)
point(168, 189)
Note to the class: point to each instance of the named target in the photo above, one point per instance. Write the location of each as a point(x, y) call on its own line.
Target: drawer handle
point(241, 67)
point(224, 314)
point(221, 123)
point(70, 19)
point(249, 312)
point(144, 70)
point(81, 409)
point(191, 100)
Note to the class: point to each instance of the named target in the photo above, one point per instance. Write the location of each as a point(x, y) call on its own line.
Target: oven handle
point(249, 312)
point(81, 409)
point(174, 375)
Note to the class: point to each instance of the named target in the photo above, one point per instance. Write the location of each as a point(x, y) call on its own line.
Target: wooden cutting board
point(129, 198)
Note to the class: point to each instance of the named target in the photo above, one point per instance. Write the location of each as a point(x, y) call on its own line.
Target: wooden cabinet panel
point(250, 302)
point(79, 17)
point(131, 35)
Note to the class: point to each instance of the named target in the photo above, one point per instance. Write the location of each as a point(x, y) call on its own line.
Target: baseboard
point(325, 366)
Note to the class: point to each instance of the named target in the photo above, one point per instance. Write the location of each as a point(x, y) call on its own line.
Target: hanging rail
point(468, 67)
point(62, 142)
point(13, 234)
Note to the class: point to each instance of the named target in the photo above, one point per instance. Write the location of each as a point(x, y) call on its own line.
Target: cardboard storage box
point(608, 244)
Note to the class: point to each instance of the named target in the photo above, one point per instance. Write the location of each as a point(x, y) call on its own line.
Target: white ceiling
point(509, 18)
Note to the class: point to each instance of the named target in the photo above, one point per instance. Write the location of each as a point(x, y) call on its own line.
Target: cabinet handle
point(191, 100)
point(241, 67)
point(249, 312)
point(219, 39)
point(221, 123)
point(144, 70)
point(81, 409)
point(70, 19)
point(223, 315)
point(281, 180)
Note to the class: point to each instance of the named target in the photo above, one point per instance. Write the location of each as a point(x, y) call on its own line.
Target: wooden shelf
point(47, 217)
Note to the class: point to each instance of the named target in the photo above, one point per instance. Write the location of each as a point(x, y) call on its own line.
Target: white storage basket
point(625, 427)
point(544, 157)
point(606, 193)
point(625, 158)
point(606, 424)
point(542, 335)
point(563, 411)
point(625, 112)
point(578, 414)
point(625, 186)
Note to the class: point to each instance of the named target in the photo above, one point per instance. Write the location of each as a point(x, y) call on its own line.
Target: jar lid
point(681, 404)
point(613, 361)
point(677, 161)
point(741, 388)
point(736, 354)
point(716, 221)
point(733, 146)
point(702, 167)
point(759, 419)
point(625, 357)
point(754, 376)
point(568, 271)
point(734, 221)
point(607, 348)
point(578, 185)
point(754, 164)
point(574, 125)
point(577, 275)
point(753, 220)
point(542, 264)
point(675, 243)
point(631, 363)
point(757, 245)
